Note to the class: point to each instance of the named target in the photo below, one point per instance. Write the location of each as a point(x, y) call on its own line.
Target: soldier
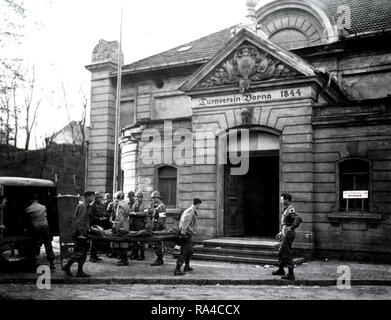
point(290, 221)
point(158, 221)
point(130, 199)
point(106, 202)
point(80, 226)
point(139, 220)
point(98, 218)
point(111, 210)
point(188, 228)
point(40, 229)
point(120, 226)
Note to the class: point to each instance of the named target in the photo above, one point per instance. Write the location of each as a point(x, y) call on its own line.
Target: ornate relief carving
point(246, 65)
point(106, 51)
point(246, 116)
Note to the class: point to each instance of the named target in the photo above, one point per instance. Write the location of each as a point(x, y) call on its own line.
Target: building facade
point(295, 100)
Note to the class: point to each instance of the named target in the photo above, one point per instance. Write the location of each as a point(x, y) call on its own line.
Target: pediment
point(245, 60)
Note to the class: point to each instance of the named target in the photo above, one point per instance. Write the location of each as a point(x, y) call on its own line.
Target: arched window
point(354, 176)
point(167, 185)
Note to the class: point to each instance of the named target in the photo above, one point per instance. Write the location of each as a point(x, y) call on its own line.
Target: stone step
point(238, 259)
point(235, 251)
point(242, 243)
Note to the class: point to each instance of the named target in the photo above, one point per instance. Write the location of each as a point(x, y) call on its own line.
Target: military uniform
point(138, 221)
point(80, 226)
point(158, 223)
point(121, 226)
point(290, 221)
point(98, 218)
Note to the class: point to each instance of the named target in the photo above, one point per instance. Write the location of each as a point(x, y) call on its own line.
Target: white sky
point(69, 30)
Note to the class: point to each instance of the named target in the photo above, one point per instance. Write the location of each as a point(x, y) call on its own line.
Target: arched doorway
point(251, 199)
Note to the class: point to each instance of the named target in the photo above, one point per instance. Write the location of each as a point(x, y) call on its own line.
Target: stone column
point(102, 116)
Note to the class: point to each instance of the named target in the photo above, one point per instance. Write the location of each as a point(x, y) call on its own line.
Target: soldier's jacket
point(290, 217)
point(112, 209)
point(138, 218)
point(97, 214)
point(81, 220)
point(188, 222)
point(121, 223)
point(158, 216)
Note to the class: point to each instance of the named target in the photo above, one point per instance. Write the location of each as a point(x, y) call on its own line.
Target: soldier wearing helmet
point(139, 219)
point(158, 220)
point(131, 199)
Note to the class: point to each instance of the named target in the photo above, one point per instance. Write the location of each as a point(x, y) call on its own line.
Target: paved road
point(193, 292)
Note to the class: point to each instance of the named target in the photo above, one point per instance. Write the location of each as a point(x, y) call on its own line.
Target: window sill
point(371, 219)
point(174, 212)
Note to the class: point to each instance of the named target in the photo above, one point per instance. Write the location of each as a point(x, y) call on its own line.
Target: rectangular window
point(167, 185)
point(354, 175)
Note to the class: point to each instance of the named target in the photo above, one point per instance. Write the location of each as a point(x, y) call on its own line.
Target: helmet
point(130, 194)
point(155, 194)
point(139, 194)
point(98, 195)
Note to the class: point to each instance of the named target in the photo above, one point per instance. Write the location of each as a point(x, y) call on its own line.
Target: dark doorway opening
point(252, 200)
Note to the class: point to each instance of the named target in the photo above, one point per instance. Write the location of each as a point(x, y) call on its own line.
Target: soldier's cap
point(131, 193)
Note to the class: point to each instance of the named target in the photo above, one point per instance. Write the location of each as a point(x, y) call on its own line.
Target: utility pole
point(117, 109)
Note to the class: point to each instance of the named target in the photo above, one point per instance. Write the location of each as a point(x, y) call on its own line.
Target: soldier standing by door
point(158, 220)
point(290, 221)
point(80, 226)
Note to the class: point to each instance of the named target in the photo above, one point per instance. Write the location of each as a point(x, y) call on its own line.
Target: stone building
point(302, 89)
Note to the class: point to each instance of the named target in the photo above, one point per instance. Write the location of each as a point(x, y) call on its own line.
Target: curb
point(182, 281)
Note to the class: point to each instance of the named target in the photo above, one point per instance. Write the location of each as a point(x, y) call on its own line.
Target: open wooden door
point(233, 204)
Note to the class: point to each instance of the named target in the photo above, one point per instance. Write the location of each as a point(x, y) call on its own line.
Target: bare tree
point(82, 122)
point(31, 108)
point(45, 153)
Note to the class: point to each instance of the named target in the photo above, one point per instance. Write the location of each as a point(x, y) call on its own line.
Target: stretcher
point(172, 234)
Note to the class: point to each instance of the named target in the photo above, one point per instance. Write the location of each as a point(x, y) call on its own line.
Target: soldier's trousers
point(186, 252)
point(80, 250)
point(285, 252)
point(157, 246)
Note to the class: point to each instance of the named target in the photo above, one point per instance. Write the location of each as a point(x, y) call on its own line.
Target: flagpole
point(117, 108)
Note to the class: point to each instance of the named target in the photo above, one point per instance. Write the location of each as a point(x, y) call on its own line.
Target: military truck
point(16, 244)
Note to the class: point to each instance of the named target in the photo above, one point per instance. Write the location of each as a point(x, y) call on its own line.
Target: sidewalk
point(311, 273)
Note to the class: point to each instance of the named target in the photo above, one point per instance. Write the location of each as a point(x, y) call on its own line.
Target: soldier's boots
point(187, 268)
point(158, 262)
point(178, 271)
point(279, 272)
point(81, 273)
point(67, 268)
point(290, 275)
point(123, 262)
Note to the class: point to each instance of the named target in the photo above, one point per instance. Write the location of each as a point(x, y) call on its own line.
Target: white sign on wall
point(255, 97)
point(355, 194)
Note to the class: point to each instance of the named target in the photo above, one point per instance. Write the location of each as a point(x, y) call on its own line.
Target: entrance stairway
point(240, 250)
